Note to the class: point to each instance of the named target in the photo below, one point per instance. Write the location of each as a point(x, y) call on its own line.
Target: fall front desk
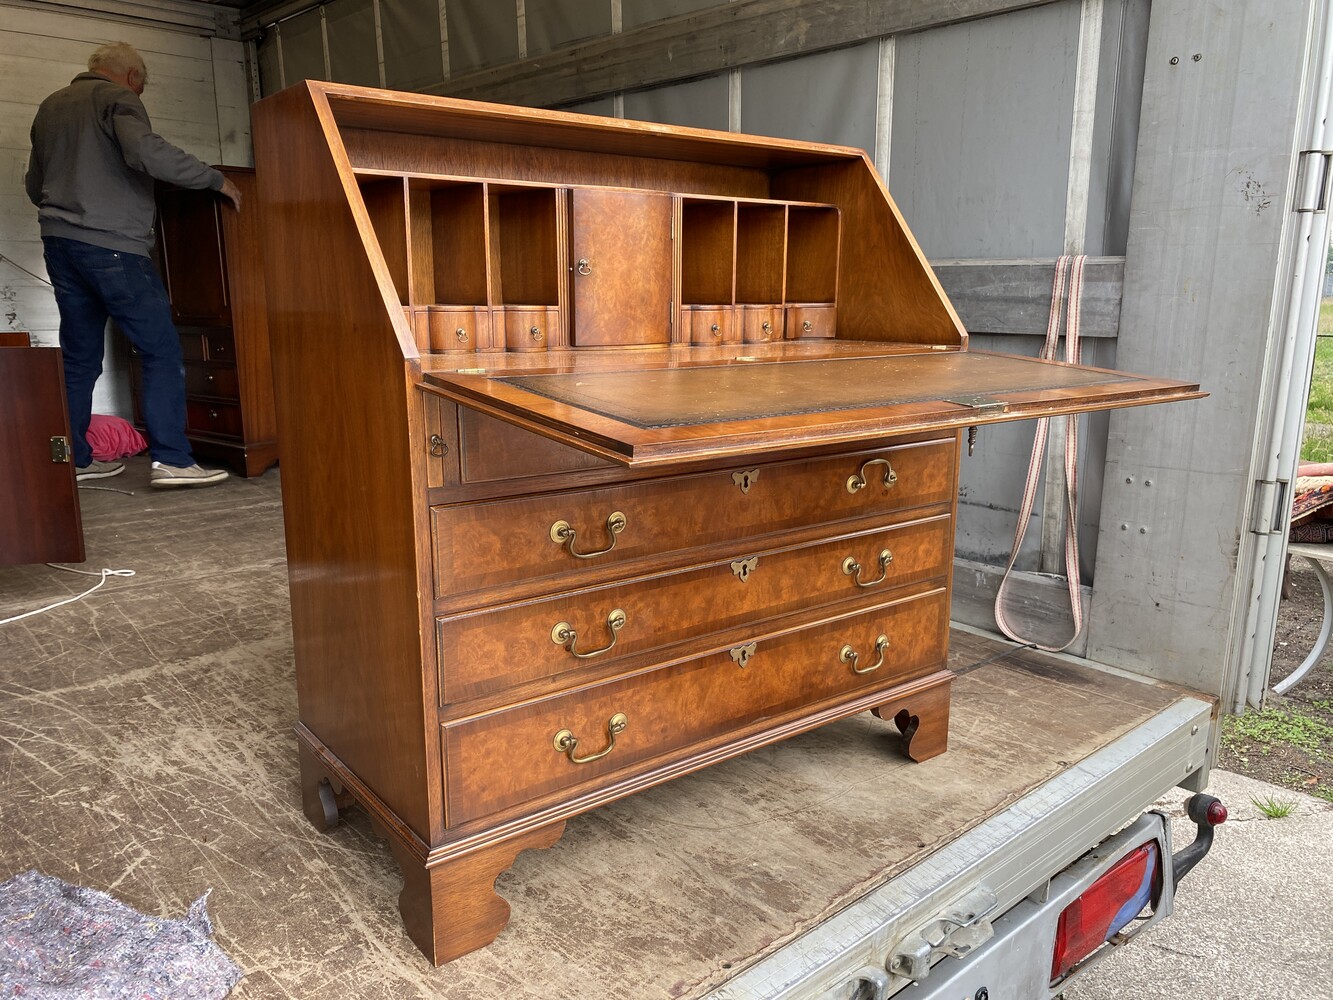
point(610, 451)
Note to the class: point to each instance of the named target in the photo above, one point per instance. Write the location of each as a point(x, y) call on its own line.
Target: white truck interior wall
point(197, 97)
point(695, 103)
point(1213, 193)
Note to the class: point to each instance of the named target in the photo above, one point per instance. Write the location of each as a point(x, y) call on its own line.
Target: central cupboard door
point(620, 264)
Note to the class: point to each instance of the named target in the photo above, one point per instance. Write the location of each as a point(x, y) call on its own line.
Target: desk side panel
point(341, 388)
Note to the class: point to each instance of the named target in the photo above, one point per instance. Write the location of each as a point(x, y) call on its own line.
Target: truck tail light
point(1106, 906)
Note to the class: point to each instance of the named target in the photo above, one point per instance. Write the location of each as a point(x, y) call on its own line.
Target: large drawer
point(525, 541)
point(501, 760)
point(485, 652)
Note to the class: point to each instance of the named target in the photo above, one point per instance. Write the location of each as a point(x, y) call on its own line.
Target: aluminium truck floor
point(146, 749)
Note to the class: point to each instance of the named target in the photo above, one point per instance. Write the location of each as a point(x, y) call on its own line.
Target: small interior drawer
point(528, 328)
point(710, 324)
point(455, 328)
point(807, 321)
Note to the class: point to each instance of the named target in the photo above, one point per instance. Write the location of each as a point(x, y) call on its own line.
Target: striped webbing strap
point(1069, 269)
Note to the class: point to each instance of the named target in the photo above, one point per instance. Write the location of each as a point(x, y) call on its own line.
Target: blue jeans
point(92, 284)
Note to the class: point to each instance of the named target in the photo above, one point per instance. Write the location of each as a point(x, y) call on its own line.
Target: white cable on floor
point(70, 600)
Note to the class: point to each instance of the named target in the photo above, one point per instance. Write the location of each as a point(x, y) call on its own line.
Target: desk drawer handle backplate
point(563, 534)
point(853, 569)
point(566, 742)
point(861, 480)
point(563, 634)
point(848, 655)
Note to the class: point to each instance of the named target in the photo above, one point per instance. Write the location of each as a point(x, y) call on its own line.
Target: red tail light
point(1106, 906)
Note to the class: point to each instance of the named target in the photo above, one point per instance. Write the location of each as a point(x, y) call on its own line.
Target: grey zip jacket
point(94, 159)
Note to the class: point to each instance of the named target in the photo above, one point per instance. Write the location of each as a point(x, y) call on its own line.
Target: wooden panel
point(358, 643)
point(706, 42)
point(508, 542)
point(620, 256)
point(708, 252)
point(458, 218)
point(498, 761)
point(903, 303)
point(813, 248)
point(761, 249)
point(386, 204)
point(42, 522)
point(441, 444)
point(192, 257)
point(502, 647)
point(674, 414)
point(493, 451)
point(1014, 296)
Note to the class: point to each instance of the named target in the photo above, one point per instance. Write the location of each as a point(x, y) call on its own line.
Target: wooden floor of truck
point(146, 749)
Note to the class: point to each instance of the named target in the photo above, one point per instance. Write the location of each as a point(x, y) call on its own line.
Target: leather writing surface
point(679, 397)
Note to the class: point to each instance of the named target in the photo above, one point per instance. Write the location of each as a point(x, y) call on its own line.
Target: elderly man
point(94, 160)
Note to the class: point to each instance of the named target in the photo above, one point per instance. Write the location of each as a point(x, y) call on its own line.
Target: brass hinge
point(982, 404)
point(60, 449)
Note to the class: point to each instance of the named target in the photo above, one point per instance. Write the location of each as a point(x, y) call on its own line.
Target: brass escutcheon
point(859, 481)
point(742, 568)
point(563, 634)
point(562, 534)
point(742, 654)
point(745, 479)
point(853, 569)
point(566, 742)
point(848, 655)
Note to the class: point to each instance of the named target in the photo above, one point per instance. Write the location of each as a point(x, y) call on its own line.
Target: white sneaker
point(168, 476)
point(98, 470)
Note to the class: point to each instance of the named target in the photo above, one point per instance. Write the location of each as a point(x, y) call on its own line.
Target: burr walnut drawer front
point(481, 653)
point(576, 533)
point(603, 733)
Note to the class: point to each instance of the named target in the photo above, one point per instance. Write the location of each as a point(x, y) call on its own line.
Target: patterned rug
point(60, 942)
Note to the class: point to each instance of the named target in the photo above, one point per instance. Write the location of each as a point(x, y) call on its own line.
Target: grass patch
point(1274, 808)
point(1318, 443)
point(1276, 725)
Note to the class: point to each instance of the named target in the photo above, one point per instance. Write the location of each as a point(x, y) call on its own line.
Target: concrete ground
point(1255, 919)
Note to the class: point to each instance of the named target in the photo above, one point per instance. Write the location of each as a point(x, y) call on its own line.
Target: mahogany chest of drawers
point(610, 451)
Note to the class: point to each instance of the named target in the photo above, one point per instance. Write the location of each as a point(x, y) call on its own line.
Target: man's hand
point(231, 192)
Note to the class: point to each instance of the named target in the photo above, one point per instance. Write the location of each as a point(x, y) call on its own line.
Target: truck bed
point(146, 749)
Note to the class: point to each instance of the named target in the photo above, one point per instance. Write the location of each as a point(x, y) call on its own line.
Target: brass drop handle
point(807, 326)
point(563, 634)
point(767, 328)
point(585, 266)
point(859, 481)
point(437, 446)
point(566, 742)
point(717, 330)
point(461, 334)
point(536, 333)
point(853, 569)
point(562, 534)
point(848, 655)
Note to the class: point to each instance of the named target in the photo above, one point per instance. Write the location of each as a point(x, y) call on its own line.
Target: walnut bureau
point(611, 450)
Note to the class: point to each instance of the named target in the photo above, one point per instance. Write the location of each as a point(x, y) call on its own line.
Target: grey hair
point(116, 57)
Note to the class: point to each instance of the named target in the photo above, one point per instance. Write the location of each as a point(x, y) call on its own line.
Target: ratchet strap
point(1068, 269)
